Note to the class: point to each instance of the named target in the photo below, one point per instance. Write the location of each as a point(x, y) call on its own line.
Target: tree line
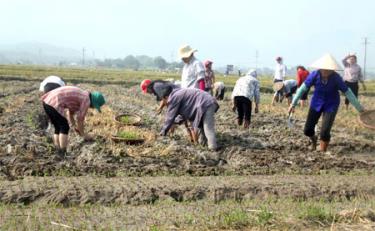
point(139, 62)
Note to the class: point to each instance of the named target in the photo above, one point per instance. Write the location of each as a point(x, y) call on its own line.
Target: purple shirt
point(326, 96)
point(190, 103)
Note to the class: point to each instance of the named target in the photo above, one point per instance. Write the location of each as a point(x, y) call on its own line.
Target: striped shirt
point(76, 100)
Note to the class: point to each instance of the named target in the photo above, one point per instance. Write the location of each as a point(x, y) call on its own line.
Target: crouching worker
point(196, 106)
point(76, 101)
point(219, 90)
point(326, 99)
point(246, 88)
point(156, 88)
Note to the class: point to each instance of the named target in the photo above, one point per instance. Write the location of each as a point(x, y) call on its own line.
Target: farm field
point(271, 179)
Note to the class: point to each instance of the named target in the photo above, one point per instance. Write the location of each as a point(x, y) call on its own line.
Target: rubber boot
point(314, 141)
point(323, 145)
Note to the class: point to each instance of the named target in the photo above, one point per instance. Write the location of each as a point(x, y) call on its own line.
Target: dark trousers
point(327, 122)
point(59, 122)
point(354, 88)
point(243, 106)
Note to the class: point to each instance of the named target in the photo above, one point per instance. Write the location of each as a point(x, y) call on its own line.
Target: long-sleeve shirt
point(189, 103)
point(76, 100)
point(280, 72)
point(192, 73)
point(248, 87)
point(288, 85)
point(209, 78)
point(352, 72)
point(302, 76)
point(326, 96)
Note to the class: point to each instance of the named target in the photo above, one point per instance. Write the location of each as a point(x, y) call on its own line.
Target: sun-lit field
point(271, 181)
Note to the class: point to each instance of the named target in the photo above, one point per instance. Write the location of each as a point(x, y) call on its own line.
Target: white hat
point(327, 62)
point(252, 72)
point(51, 79)
point(186, 51)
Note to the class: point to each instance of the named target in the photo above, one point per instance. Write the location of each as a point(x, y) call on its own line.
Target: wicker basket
point(136, 120)
point(118, 139)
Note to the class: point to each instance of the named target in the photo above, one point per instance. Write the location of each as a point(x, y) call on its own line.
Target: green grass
point(107, 75)
point(126, 119)
point(130, 135)
point(236, 219)
point(317, 213)
point(279, 214)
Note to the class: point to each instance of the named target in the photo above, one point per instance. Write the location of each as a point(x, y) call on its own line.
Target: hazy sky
point(224, 31)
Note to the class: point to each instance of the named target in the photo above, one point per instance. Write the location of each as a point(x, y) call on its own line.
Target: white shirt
point(247, 86)
point(280, 72)
point(51, 79)
point(192, 73)
point(219, 86)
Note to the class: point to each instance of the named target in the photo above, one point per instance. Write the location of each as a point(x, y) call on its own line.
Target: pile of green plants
point(129, 135)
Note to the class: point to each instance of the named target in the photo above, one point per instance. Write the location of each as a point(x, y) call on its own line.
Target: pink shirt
point(76, 100)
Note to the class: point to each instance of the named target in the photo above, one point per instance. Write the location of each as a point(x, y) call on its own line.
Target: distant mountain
point(37, 53)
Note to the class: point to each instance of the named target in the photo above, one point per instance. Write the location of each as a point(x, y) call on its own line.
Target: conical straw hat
point(327, 62)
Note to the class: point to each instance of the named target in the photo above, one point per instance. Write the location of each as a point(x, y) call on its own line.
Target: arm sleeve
point(353, 100)
point(299, 94)
point(200, 72)
point(284, 71)
point(360, 76)
point(344, 62)
point(83, 110)
point(257, 92)
point(170, 117)
point(341, 84)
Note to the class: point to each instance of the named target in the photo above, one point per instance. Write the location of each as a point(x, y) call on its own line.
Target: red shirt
point(76, 100)
point(302, 76)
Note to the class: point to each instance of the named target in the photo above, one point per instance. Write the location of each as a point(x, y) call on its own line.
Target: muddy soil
point(147, 190)
point(268, 147)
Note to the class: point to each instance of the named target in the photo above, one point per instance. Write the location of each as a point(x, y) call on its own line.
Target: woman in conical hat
point(326, 99)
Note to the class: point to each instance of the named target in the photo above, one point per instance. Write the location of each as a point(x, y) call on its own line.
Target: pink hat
point(207, 62)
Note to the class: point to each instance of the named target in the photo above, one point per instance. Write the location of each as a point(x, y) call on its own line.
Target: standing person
point(76, 101)
point(193, 72)
point(219, 90)
point(325, 100)
point(279, 76)
point(352, 75)
point(209, 76)
point(246, 88)
point(50, 83)
point(194, 105)
point(302, 74)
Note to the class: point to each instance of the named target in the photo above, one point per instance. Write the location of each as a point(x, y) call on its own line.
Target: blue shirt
point(326, 96)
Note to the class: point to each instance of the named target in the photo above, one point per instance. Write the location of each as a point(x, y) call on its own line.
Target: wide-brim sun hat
point(186, 51)
point(144, 85)
point(278, 86)
point(326, 62)
point(97, 100)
